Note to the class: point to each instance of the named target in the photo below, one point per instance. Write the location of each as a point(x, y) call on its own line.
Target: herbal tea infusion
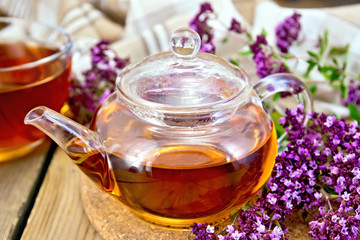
point(22, 89)
point(35, 64)
point(176, 182)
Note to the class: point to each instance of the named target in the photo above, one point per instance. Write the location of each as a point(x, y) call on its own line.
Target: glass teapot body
point(185, 148)
point(174, 176)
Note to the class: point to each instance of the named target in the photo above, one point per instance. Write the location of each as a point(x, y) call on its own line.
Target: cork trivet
point(113, 221)
point(298, 229)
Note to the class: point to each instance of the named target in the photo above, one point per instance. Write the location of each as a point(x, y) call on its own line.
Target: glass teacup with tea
point(185, 138)
point(35, 63)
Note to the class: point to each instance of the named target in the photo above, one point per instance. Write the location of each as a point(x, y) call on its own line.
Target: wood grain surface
point(58, 213)
point(18, 181)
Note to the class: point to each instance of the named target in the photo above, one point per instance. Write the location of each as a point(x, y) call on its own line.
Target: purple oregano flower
point(200, 24)
point(235, 26)
point(353, 96)
point(319, 172)
point(263, 56)
point(287, 32)
point(85, 96)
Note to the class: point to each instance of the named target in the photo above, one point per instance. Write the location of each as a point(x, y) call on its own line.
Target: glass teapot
point(185, 138)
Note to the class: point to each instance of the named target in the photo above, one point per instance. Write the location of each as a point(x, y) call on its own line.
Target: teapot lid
point(183, 79)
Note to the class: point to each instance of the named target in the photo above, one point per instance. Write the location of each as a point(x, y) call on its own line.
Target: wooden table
point(39, 194)
point(40, 198)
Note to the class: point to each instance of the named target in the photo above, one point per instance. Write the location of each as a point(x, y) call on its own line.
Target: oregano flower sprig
point(327, 61)
point(264, 57)
point(98, 83)
point(287, 32)
point(318, 173)
point(200, 24)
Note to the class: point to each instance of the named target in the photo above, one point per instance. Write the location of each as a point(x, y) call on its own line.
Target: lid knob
point(185, 43)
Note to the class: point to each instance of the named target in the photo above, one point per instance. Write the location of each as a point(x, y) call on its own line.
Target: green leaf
point(246, 207)
point(313, 55)
point(233, 61)
point(341, 50)
point(263, 32)
point(337, 116)
point(312, 64)
point(276, 97)
point(346, 59)
point(334, 195)
point(98, 92)
point(225, 40)
point(313, 89)
point(277, 223)
point(235, 211)
point(331, 73)
point(354, 112)
point(245, 53)
point(335, 61)
point(278, 127)
point(343, 89)
point(249, 37)
point(324, 43)
point(299, 43)
point(286, 66)
point(288, 56)
point(234, 214)
point(329, 190)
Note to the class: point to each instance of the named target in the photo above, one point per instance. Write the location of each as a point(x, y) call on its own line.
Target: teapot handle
point(286, 84)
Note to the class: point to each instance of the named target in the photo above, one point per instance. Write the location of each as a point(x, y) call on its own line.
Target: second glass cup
point(35, 65)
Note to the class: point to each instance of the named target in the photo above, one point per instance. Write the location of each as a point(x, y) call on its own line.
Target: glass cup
point(35, 64)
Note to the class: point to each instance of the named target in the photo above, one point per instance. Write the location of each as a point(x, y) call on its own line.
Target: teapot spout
point(82, 145)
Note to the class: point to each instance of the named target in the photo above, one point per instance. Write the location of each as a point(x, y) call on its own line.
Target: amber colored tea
point(176, 184)
point(188, 183)
point(22, 88)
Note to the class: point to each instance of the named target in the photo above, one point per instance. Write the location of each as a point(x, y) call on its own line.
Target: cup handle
point(286, 84)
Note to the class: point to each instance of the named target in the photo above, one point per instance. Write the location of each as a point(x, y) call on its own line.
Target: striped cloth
point(142, 27)
point(149, 23)
point(139, 28)
point(81, 18)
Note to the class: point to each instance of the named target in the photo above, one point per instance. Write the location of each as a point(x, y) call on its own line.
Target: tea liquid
point(178, 183)
point(23, 89)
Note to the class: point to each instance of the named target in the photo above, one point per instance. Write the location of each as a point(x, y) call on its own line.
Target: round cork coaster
point(113, 221)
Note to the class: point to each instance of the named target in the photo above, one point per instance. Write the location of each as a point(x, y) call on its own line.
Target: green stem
point(327, 198)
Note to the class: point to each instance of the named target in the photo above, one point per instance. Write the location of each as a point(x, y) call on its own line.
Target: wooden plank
point(58, 212)
point(18, 182)
point(314, 3)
